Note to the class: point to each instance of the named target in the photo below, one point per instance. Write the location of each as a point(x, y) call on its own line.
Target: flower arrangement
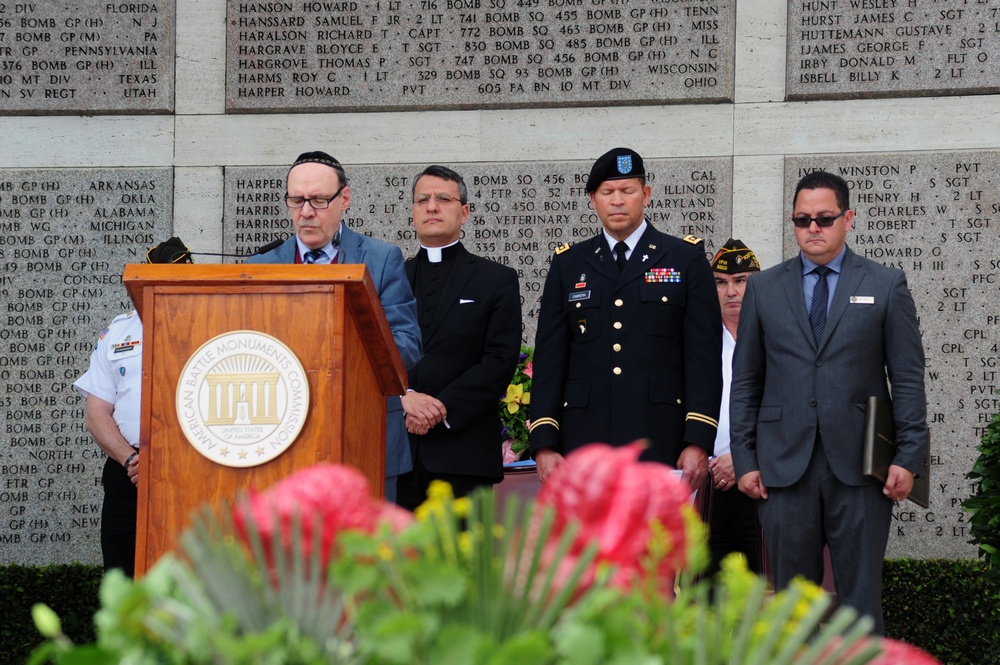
point(514, 409)
point(315, 571)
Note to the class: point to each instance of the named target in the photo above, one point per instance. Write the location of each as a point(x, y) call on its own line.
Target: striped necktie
point(314, 256)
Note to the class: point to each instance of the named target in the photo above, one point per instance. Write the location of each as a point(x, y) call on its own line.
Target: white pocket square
point(464, 301)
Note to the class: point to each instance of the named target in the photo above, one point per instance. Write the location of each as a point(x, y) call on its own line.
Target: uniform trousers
point(118, 517)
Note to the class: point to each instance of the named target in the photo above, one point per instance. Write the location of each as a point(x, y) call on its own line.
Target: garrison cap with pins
point(735, 257)
point(169, 251)
point(615, 164)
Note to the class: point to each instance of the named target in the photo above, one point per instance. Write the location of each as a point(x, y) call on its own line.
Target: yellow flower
point(516, 397)
point(440, 490)
point(462, 506)
point(465, 544)
point(810, 593)
point(439, 495)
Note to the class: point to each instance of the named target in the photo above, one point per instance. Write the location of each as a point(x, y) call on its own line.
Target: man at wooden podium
point(317, 196)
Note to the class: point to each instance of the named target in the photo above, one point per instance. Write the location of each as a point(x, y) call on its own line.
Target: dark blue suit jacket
point(385, 264)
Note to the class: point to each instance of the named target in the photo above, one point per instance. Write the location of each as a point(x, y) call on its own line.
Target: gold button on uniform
point(619, 303)
point(664, 299)
point(578, 305)
point(618, 325)
point(617, 347)
point(617, 370)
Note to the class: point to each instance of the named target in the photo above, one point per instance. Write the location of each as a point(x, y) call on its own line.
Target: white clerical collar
point(434, 253)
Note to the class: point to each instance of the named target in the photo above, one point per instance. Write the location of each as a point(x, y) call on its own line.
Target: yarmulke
point(616, 164)
point(317, 157)
point(735, 257)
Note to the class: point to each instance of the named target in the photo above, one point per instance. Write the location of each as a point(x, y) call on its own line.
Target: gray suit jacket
point(785, 388)
point(385, 264)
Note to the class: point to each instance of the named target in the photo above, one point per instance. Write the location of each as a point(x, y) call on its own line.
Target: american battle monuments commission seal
point(242, 398)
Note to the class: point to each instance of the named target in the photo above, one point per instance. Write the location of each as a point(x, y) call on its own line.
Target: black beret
point(169, 251)
point(735, 257)
point(617, 164)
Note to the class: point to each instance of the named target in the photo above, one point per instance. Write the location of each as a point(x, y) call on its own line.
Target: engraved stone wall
point(880, 48)
point(65, 236)
point(935, 217)
point(86, 56)
point(66, 233)
point(519, 212)
point(412, 54)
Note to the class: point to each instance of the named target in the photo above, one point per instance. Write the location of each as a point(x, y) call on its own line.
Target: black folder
point(880, 449)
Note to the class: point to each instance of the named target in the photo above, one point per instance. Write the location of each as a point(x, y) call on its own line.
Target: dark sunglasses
point(823, 221)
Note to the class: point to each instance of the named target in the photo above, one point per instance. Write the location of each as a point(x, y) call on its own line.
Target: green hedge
point(70, 590)
point(948, 608)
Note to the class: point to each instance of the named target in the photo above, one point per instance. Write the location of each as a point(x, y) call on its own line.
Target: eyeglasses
point(424, 199)
point(317, 202)
point(823, 221)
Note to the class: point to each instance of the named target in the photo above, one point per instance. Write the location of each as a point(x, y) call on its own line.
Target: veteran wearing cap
point(317, 197)
point(629, 341)
point(112, 386)
point(733, 523)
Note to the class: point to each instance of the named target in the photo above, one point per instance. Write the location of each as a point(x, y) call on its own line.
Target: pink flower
point(508, 454)
point(891, 652)
point(528, 368)
point(616, 499)
point(326, 497)
point(901, 653)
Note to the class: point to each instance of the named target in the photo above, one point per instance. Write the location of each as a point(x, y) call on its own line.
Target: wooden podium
point(331, 320)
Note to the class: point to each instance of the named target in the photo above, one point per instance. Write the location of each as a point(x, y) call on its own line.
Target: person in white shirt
point(113, 387)
point(733, 525)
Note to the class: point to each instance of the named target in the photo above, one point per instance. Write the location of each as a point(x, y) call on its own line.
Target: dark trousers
point(820, 510)
point(118, 517)
point(733, 527)
point(411, 488)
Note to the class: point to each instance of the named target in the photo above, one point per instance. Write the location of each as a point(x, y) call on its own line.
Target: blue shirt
point(809, 278)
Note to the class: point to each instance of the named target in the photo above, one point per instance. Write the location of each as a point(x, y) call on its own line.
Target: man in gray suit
point(819, 334)
point(317, 196)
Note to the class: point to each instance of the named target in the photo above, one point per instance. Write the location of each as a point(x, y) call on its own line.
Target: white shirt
point(115, 373)
point(631, 241)
point(722, 433)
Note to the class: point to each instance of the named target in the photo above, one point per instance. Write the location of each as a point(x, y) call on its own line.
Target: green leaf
point(445, 586)
point(581, 645)
point(531, 648)
point(460, 645)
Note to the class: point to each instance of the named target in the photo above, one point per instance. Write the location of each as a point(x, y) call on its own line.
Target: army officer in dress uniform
point(629, 340)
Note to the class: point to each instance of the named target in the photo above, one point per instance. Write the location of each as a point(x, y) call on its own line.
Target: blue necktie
point(817, 312)
point(314, 255)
